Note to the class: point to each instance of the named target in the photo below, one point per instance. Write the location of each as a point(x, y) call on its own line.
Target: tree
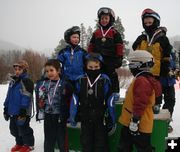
point(89, 34)
point(62, 44)
point(83, 37)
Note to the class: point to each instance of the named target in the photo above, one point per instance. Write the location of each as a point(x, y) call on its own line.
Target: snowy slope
point(7, 141)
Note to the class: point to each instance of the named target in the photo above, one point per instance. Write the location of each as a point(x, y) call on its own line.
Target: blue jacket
point(72, 62)
point(19, 95)
point(170, 80)
point(108, 97)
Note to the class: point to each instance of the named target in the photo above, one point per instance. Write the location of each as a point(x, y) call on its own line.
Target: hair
point(53, 62)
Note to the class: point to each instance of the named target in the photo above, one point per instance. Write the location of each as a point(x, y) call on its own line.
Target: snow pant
point(110, 71)
point(142, 142)
point(23, 133)
point(54, 132)
point(93, 137)
point(169, 98)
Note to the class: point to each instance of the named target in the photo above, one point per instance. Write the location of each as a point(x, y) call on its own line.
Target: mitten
point(5, 114)
point(22, 112)
point(134, 126)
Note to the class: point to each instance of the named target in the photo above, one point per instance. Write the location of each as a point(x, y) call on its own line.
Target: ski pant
point(23, 133)
point(169, 98)
point(93, 137)
point(142, 142)
point(54, 132)
point(110, 71)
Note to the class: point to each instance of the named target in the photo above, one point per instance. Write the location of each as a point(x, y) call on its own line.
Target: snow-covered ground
point(7, 141)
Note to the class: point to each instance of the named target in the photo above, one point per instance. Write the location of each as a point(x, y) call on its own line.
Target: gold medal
point(103, 39)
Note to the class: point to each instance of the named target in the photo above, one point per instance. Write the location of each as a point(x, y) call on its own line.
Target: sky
point(40, 24)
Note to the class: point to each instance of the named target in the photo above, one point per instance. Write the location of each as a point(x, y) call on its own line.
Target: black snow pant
point(142, 142)
point(93, 137)
point(23, 133)
point(54, 132)
point(169, 98)
point(110, 71)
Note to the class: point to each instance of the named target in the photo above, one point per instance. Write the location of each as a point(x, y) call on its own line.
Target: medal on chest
point(104, 34)
point(90, 90)
point(103, 39)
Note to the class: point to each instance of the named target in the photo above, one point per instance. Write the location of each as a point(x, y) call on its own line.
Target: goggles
point(106, 10)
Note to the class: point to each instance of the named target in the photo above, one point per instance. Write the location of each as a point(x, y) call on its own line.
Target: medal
point(71, 57)
point(103, 39)
point(90, 91)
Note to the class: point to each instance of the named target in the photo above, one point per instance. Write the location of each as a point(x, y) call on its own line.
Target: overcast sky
point(40, 24)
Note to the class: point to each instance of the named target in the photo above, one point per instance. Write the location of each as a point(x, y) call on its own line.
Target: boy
point(18, 107)
point(108, 42)
point(72, 56)
point(137, 113)
point(93, 96)
point(52, 100)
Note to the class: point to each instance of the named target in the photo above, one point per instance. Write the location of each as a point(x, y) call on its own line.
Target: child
point(137, 113)
point(52, 101)
point(18, 107)
point(108, 42)
point(72, 56)
point(93, 96)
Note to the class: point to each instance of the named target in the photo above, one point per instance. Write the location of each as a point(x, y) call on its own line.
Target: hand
point(5, 114)
point(22, 112)
point(156, 108)
point(118, 62)
point(134, 126)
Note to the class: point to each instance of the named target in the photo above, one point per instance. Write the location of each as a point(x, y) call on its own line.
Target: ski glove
point(5, 114)
point(156, 108)
point(134, 126)
point(22, 112)
point(118, 62)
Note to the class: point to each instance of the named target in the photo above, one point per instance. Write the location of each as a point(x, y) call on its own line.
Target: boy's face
point(52, 73)
point(18, 70)
point(105, 19)
point(74, 39)
point(92, 65)
point(148, 21)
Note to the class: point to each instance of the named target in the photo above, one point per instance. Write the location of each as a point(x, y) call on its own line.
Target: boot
point(26, 148)
point(16, 148)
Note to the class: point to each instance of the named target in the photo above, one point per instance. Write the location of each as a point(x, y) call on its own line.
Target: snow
point(7, 141)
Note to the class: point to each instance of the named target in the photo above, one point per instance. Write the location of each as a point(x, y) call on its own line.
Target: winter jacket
point(111, 49)
point(92, 105)
point(54, 94)
point(19, 95)
point(72, 61)
point(158, 45)
point(139, 100)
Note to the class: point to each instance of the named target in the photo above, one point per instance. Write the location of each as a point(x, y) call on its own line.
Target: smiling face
point(74, 39)
point(18, 70)
point(148, 21)
point(52, 73)
point(105, 19)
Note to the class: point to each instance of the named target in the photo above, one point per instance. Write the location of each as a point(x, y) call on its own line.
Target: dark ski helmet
point(71, 31)
point(94, 57)
point(151, 13)
point(108, 11)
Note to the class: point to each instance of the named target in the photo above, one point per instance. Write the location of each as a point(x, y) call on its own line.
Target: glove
point(156, 108)
point(134, 126)
point(118, 62)
point(5, 114)
point(20, 120)
point(22, 112)
point(116, 96)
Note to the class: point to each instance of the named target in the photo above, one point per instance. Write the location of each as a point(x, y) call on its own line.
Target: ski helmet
point(94, 57)
point(71, 31)
point(151, 13)
point(140, 60)
point(108, 11)
point(22, 64)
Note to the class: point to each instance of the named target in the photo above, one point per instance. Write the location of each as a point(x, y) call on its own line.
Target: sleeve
point(141, 91)
point(137, 42)
point(61, 57)
point(119, 44)
point(73, 107)
point(91, 44)
point(7, 97)
point(26, 92)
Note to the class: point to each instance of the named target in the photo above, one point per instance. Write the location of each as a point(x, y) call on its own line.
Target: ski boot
point(26, 148)
point(16, 148)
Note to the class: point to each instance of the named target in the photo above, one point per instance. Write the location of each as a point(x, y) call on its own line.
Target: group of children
point(83, 85)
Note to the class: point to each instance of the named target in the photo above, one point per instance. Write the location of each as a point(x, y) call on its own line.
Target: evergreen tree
point(83, 38)
point(89, 34)
point(62, 44)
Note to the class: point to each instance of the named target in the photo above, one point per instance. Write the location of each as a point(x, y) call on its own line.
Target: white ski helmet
point(141, 60)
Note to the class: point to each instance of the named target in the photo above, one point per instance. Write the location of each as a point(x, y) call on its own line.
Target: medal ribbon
point(91, 84)
point(50, 99)
point(104, 34)
point(150, 41)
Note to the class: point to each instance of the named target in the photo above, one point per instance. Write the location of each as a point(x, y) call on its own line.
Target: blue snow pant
point(23, 133)
point(142, 142)
point(54, 132)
